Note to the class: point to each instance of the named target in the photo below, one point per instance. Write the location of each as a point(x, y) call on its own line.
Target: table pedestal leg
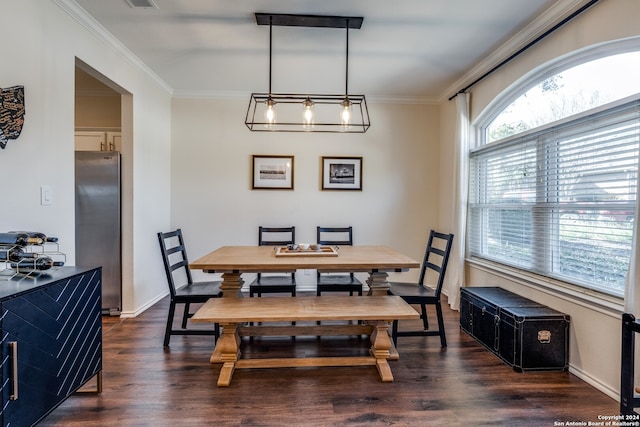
point(228, 351)
point(231, 285)
point(378, 284)
point(380, 349)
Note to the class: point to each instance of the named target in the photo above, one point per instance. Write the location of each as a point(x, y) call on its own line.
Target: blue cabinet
point(51, 342)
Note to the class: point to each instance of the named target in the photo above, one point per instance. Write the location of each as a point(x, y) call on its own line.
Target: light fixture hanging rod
point(292, 20)
point(270, 49)
point(346, 74)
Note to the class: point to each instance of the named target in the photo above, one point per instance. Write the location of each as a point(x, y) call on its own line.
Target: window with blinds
point(560, 202)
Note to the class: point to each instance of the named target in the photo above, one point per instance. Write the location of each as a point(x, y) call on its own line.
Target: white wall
point(42, 42)
point(211, 195)
point(187, 163)
point(594, 348)
point(205, 189)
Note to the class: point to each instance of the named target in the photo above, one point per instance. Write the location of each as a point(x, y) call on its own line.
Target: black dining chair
point(328, 281)
point(281, 282)
point(182, 288)
point(436, 258)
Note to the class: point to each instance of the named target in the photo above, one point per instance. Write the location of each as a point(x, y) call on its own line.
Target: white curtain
point(459, 178)
point(632, 294)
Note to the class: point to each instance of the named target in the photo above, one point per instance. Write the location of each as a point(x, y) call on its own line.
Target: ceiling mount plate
point(288, 20)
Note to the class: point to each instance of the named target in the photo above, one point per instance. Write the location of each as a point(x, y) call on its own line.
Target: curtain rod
point(527, 46)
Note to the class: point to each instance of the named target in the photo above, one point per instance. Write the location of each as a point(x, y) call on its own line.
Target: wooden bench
point(232, 314)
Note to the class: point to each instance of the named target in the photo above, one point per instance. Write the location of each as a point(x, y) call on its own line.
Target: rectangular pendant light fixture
point(287, 112)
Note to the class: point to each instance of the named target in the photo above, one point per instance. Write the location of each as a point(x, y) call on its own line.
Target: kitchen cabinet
point(51, 340)
point(98, 141)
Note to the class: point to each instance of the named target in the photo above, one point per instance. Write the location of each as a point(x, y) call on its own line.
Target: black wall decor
point(11, 113)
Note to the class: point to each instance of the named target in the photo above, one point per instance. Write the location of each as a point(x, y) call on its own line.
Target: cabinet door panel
point(114, 141)
point(58, 329)
point(90, 141)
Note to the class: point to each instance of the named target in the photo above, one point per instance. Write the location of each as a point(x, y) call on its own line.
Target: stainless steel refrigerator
point(98, 236)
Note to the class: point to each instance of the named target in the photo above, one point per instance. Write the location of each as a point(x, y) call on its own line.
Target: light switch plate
point(46, 195)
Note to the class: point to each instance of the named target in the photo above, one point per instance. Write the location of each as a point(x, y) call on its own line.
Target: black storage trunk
point(480, 312)
point(526, 335)
point(534, 338)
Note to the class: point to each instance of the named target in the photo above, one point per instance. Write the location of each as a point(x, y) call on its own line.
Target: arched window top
point(572, 91)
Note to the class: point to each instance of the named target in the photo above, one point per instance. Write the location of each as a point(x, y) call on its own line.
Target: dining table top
point(264, 259)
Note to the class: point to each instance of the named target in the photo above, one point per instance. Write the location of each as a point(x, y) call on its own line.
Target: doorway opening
point(103, 117)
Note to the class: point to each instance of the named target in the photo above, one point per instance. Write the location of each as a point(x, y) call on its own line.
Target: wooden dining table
point(233, 261)
point(237, 315)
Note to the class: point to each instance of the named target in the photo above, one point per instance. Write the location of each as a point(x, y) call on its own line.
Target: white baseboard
point(139, 311)
point(612, 393)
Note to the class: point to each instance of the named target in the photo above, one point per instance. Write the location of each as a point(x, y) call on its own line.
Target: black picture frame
point(342, 173)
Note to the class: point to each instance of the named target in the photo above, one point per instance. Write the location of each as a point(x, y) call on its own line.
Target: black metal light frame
point(324, 104)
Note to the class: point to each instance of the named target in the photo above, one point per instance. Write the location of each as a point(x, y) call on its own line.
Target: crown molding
point(412, 100)
point(560, 10)
point(229, 95)
point(550, 17)
point(211, 94)
point(94, 27)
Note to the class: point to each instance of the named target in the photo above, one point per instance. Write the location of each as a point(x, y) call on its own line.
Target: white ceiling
point(412, 50)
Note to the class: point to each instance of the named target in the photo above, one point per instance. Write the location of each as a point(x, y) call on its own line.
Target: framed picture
point(342, 173)
point(272, 172)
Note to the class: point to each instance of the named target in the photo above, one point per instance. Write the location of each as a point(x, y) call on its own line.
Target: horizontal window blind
point(560, 202)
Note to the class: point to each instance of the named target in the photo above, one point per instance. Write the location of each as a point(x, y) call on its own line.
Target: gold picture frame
point(271, 172)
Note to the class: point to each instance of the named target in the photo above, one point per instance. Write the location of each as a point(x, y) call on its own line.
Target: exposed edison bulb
point(345, 114)
point(270, 113)
point(307, 114)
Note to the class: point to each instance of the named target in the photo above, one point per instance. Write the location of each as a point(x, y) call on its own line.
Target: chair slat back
point(439, 244)
point(174, 257)
point(276, 236)
point(338, 236)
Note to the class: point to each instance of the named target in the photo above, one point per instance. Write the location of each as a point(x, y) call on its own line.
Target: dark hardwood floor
point(462, 385)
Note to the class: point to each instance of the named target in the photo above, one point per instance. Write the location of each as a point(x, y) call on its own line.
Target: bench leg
point(380, 349)
point(228, 351)
point(226, 372)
